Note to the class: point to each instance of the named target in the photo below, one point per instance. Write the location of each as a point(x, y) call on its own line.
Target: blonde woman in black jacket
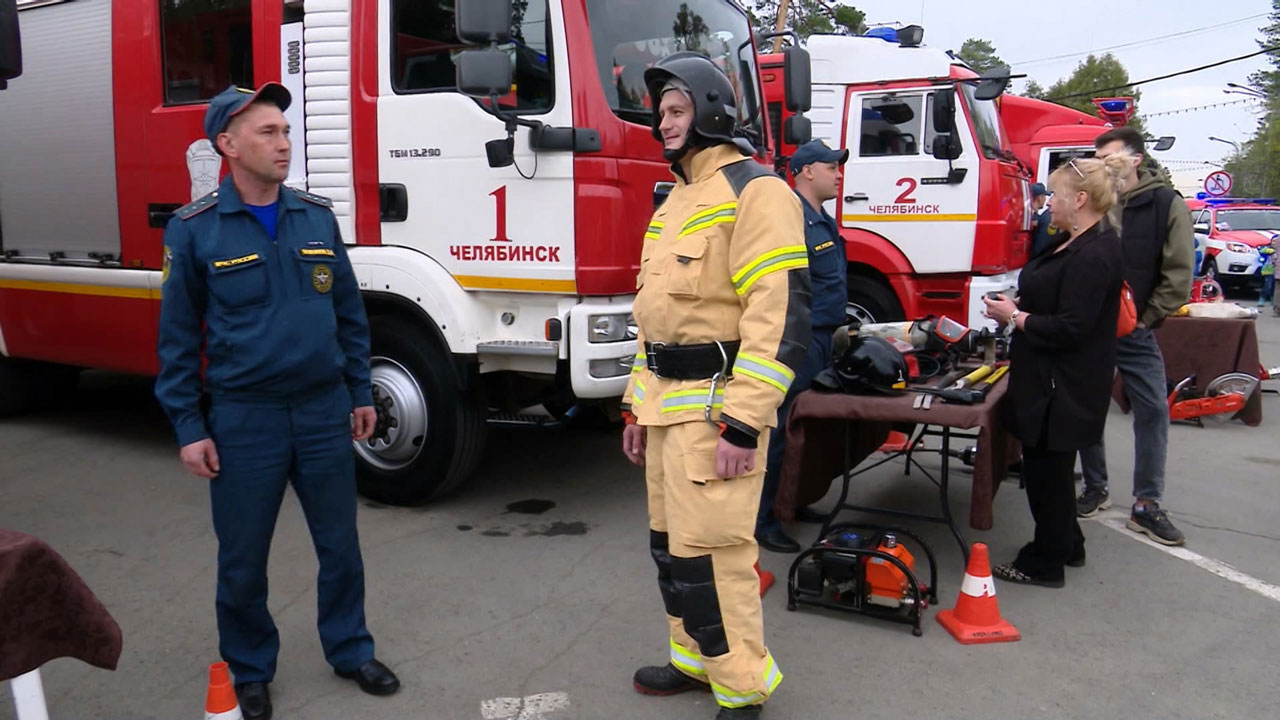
point(1062, 360)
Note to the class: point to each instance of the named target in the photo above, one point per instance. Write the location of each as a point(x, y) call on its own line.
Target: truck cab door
point(896, 188)
point(492, 228)
point(170, 60)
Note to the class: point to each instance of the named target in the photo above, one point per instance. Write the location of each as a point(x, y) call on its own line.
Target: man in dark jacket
point(816, 169)
point(1044, 236)
point(1159, 250)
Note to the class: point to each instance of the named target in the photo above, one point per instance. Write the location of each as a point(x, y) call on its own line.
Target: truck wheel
point(429, 433)
point(25, 385)
point(17, 391)
point(872, 302)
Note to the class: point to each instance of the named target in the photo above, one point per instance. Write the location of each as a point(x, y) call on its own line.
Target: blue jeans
point(1268, 288)
point(1141, 365)
point(817, 359)
point(264, 445)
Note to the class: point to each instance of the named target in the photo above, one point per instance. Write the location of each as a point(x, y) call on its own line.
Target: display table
point(1206, 348)
point(830, 434)
point(46, 612)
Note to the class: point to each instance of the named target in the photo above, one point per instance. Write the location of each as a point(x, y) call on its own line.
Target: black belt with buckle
point(691, 362)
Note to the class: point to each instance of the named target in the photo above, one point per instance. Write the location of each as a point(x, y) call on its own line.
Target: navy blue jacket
point(828, 267)
point(276, 318)
point(1044, 236)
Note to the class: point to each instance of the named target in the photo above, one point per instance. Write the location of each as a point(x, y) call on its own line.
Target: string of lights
point(1196, 108)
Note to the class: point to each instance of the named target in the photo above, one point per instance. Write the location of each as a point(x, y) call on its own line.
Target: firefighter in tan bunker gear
point(723, 316)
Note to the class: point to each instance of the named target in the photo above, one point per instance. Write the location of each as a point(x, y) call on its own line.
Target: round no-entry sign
point(1218, 183)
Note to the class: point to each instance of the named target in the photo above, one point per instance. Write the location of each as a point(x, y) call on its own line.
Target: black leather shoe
point(665, 680)
point(807, 514)
point(746, 712)
point(373, 677)
point(255, 701)
point(778, 541)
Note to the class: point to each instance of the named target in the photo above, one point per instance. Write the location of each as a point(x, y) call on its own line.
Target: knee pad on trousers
point(659, 549)
point(696, 584)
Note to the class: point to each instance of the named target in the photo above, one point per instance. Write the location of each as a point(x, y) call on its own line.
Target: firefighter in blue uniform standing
point(816, 170)
point(257, 275)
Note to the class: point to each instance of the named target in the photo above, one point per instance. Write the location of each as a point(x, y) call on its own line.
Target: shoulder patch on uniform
point(744, 171)
point(320, 200)
point(195, 207)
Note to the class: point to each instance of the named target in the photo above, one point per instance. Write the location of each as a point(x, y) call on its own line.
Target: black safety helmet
point(870, 365)
point(715, 112)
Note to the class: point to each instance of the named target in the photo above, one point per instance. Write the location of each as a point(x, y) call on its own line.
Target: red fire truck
point(935, 207)
point(496, 240)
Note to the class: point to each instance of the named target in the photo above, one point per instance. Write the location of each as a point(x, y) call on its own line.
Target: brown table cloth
point(815, 442)
point(1206, 348)
point(47, 612)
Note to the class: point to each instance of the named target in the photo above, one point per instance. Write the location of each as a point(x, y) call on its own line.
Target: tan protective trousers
point(702, 537)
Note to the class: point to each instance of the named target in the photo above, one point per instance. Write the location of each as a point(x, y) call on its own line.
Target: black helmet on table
point(869, 365)
point(715, 112)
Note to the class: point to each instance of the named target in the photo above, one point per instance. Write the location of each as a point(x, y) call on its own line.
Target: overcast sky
point(1025, 34)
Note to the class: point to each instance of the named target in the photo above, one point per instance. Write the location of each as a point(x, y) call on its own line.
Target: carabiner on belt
point(722, 376)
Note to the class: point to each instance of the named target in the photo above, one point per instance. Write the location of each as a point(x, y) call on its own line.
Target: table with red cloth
point(47, 611)
point(1207, 348)
point(829, 434)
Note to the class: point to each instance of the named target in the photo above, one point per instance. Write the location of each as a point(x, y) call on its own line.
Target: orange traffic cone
point(766, 579)
point(976, 617)
point(220, 703)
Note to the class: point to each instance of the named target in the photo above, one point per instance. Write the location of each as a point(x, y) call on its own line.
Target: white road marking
point(1117, 521)
point(532, 707)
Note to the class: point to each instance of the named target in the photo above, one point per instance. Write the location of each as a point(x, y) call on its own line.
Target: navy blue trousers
point(817, 359)
point(263, 444)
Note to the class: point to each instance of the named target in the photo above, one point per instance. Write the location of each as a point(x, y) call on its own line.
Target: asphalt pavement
point(534, 584)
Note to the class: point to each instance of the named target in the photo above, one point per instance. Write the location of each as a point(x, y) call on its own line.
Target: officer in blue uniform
point(257, 275)
point(1044, 236)
point(816, 169)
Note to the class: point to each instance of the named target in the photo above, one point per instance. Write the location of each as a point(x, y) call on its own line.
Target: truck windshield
point(632, 35)
point(1249, 219)
point(986, 122)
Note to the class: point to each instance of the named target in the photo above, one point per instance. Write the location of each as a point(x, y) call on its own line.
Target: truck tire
point(17, 391)
point(871, 301)
point(27, 385)
point(430, 433)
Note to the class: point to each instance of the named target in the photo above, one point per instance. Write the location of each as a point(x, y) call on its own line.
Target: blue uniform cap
point(816, 151)
point(1038, 189)
point(232, 101)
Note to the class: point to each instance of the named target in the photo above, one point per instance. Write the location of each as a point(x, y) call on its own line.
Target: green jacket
point(1173, 285)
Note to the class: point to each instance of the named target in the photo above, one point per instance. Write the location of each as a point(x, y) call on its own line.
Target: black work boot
point(665, 680)
point(746, 712)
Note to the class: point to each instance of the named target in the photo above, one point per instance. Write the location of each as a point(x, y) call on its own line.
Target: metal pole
point(781, 25)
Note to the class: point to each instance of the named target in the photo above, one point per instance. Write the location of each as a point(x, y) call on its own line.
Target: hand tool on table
point(971, 388)
point(924, 400)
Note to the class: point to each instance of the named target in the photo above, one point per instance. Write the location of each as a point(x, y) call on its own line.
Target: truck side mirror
point(945, 147)
point(797, 130)
point(1202, 228)
point(10, 42)
point(484, 73)
point(944, 110)
point(797, 73)
point(484, 22)
point(992, 84)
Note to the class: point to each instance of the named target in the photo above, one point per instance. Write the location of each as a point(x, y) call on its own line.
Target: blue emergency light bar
point(1116, 106)
point(1240, 201)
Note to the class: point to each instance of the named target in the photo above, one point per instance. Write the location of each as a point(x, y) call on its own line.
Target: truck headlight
point(611, 328)
point(1238, 247)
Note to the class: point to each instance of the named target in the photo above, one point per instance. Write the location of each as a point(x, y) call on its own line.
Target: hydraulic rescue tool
point(864, 569)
